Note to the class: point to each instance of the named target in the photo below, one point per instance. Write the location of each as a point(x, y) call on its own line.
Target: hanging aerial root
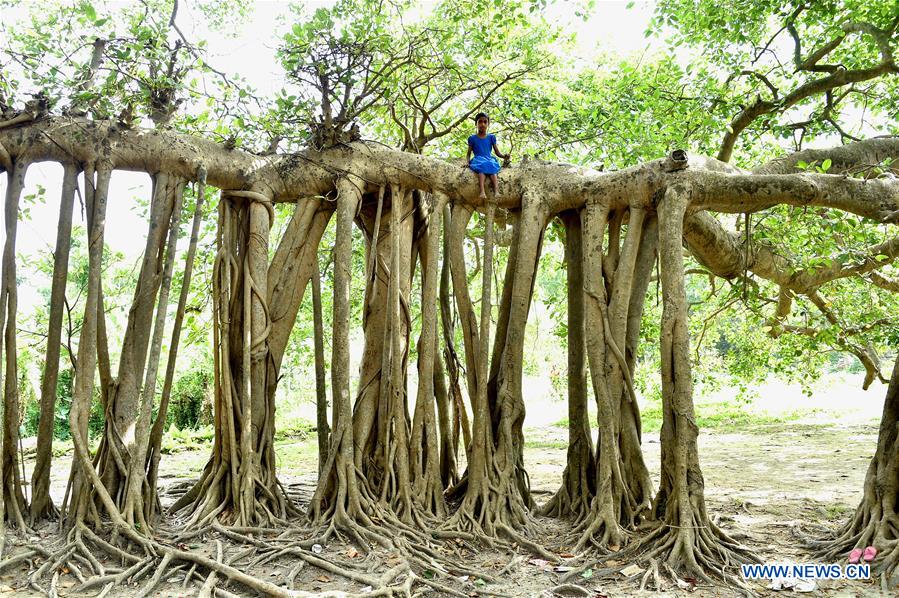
point(494, 509)
point(684, 539)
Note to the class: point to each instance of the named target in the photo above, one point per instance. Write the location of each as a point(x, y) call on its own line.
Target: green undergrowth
point(720, 417)
point(175, 440)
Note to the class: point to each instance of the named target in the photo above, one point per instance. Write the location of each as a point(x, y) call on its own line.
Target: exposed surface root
point(870, 526)
point(106, 565)
point(700, 552)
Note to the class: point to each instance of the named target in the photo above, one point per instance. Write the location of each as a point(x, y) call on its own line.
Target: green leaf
point(89, 11)
point(825, 165)
point(587, 574)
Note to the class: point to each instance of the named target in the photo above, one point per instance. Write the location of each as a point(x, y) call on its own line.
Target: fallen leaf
point(631, 570)
point(352, 553)
point(613, 563)
point(541, 563)
point(323, 578)
point(614, 548)
point(566, 555)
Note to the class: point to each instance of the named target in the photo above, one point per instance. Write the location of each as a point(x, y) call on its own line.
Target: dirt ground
point(760, 485)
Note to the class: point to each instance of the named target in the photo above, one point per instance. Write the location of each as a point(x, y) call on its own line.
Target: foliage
point(412, 76)
point(190, 403)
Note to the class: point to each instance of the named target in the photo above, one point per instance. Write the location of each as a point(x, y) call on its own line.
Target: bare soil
point(764, 486)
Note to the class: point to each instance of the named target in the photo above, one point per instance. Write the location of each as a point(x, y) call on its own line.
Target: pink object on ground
point(855, 556)
point(869, 554)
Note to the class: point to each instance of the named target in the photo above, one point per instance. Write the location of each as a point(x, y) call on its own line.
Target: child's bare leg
point(495, 180)
point(481, 178)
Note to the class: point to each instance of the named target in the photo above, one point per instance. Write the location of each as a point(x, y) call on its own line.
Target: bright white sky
point(613, 29)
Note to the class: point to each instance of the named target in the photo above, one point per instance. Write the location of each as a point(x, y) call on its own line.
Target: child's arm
point(499, 153)
point(468, 156)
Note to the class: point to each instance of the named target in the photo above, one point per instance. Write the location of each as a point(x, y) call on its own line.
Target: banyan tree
point(388, 472)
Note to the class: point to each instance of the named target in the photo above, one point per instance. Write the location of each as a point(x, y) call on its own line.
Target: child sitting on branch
point(483, 163)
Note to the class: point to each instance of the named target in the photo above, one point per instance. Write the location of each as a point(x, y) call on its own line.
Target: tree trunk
point(85, 480)
point(338, 499)
point(497, 500)
point(255, 306)
point(12, 503)
point(578, 484)
point(425, 446)
point(321, 398)
point(134, 508)
point(120, 436)
point(41, 504)
point(151, 498)
point(876, 520)
point(685, 538)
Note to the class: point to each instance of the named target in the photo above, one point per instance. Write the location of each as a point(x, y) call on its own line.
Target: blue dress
point(483, 162)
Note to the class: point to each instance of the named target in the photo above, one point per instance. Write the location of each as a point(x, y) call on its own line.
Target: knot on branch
point(35, 108)
point(324, 135)
point(676, 160)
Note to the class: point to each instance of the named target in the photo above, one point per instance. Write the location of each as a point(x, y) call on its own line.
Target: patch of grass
point(296, 429)
point(297, 457)
point(836, 511)
point(175, 440)
point(542, 443)
point(721, 417)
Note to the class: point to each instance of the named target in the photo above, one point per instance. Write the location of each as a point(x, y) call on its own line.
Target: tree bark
point(41, 504)
point(151, 498)
point(321, 398)
point(686, 538)
point(578, 484)
point(12, 503)
point(425, 447)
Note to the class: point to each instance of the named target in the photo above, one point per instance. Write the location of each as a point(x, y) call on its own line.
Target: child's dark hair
point(481, 115)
